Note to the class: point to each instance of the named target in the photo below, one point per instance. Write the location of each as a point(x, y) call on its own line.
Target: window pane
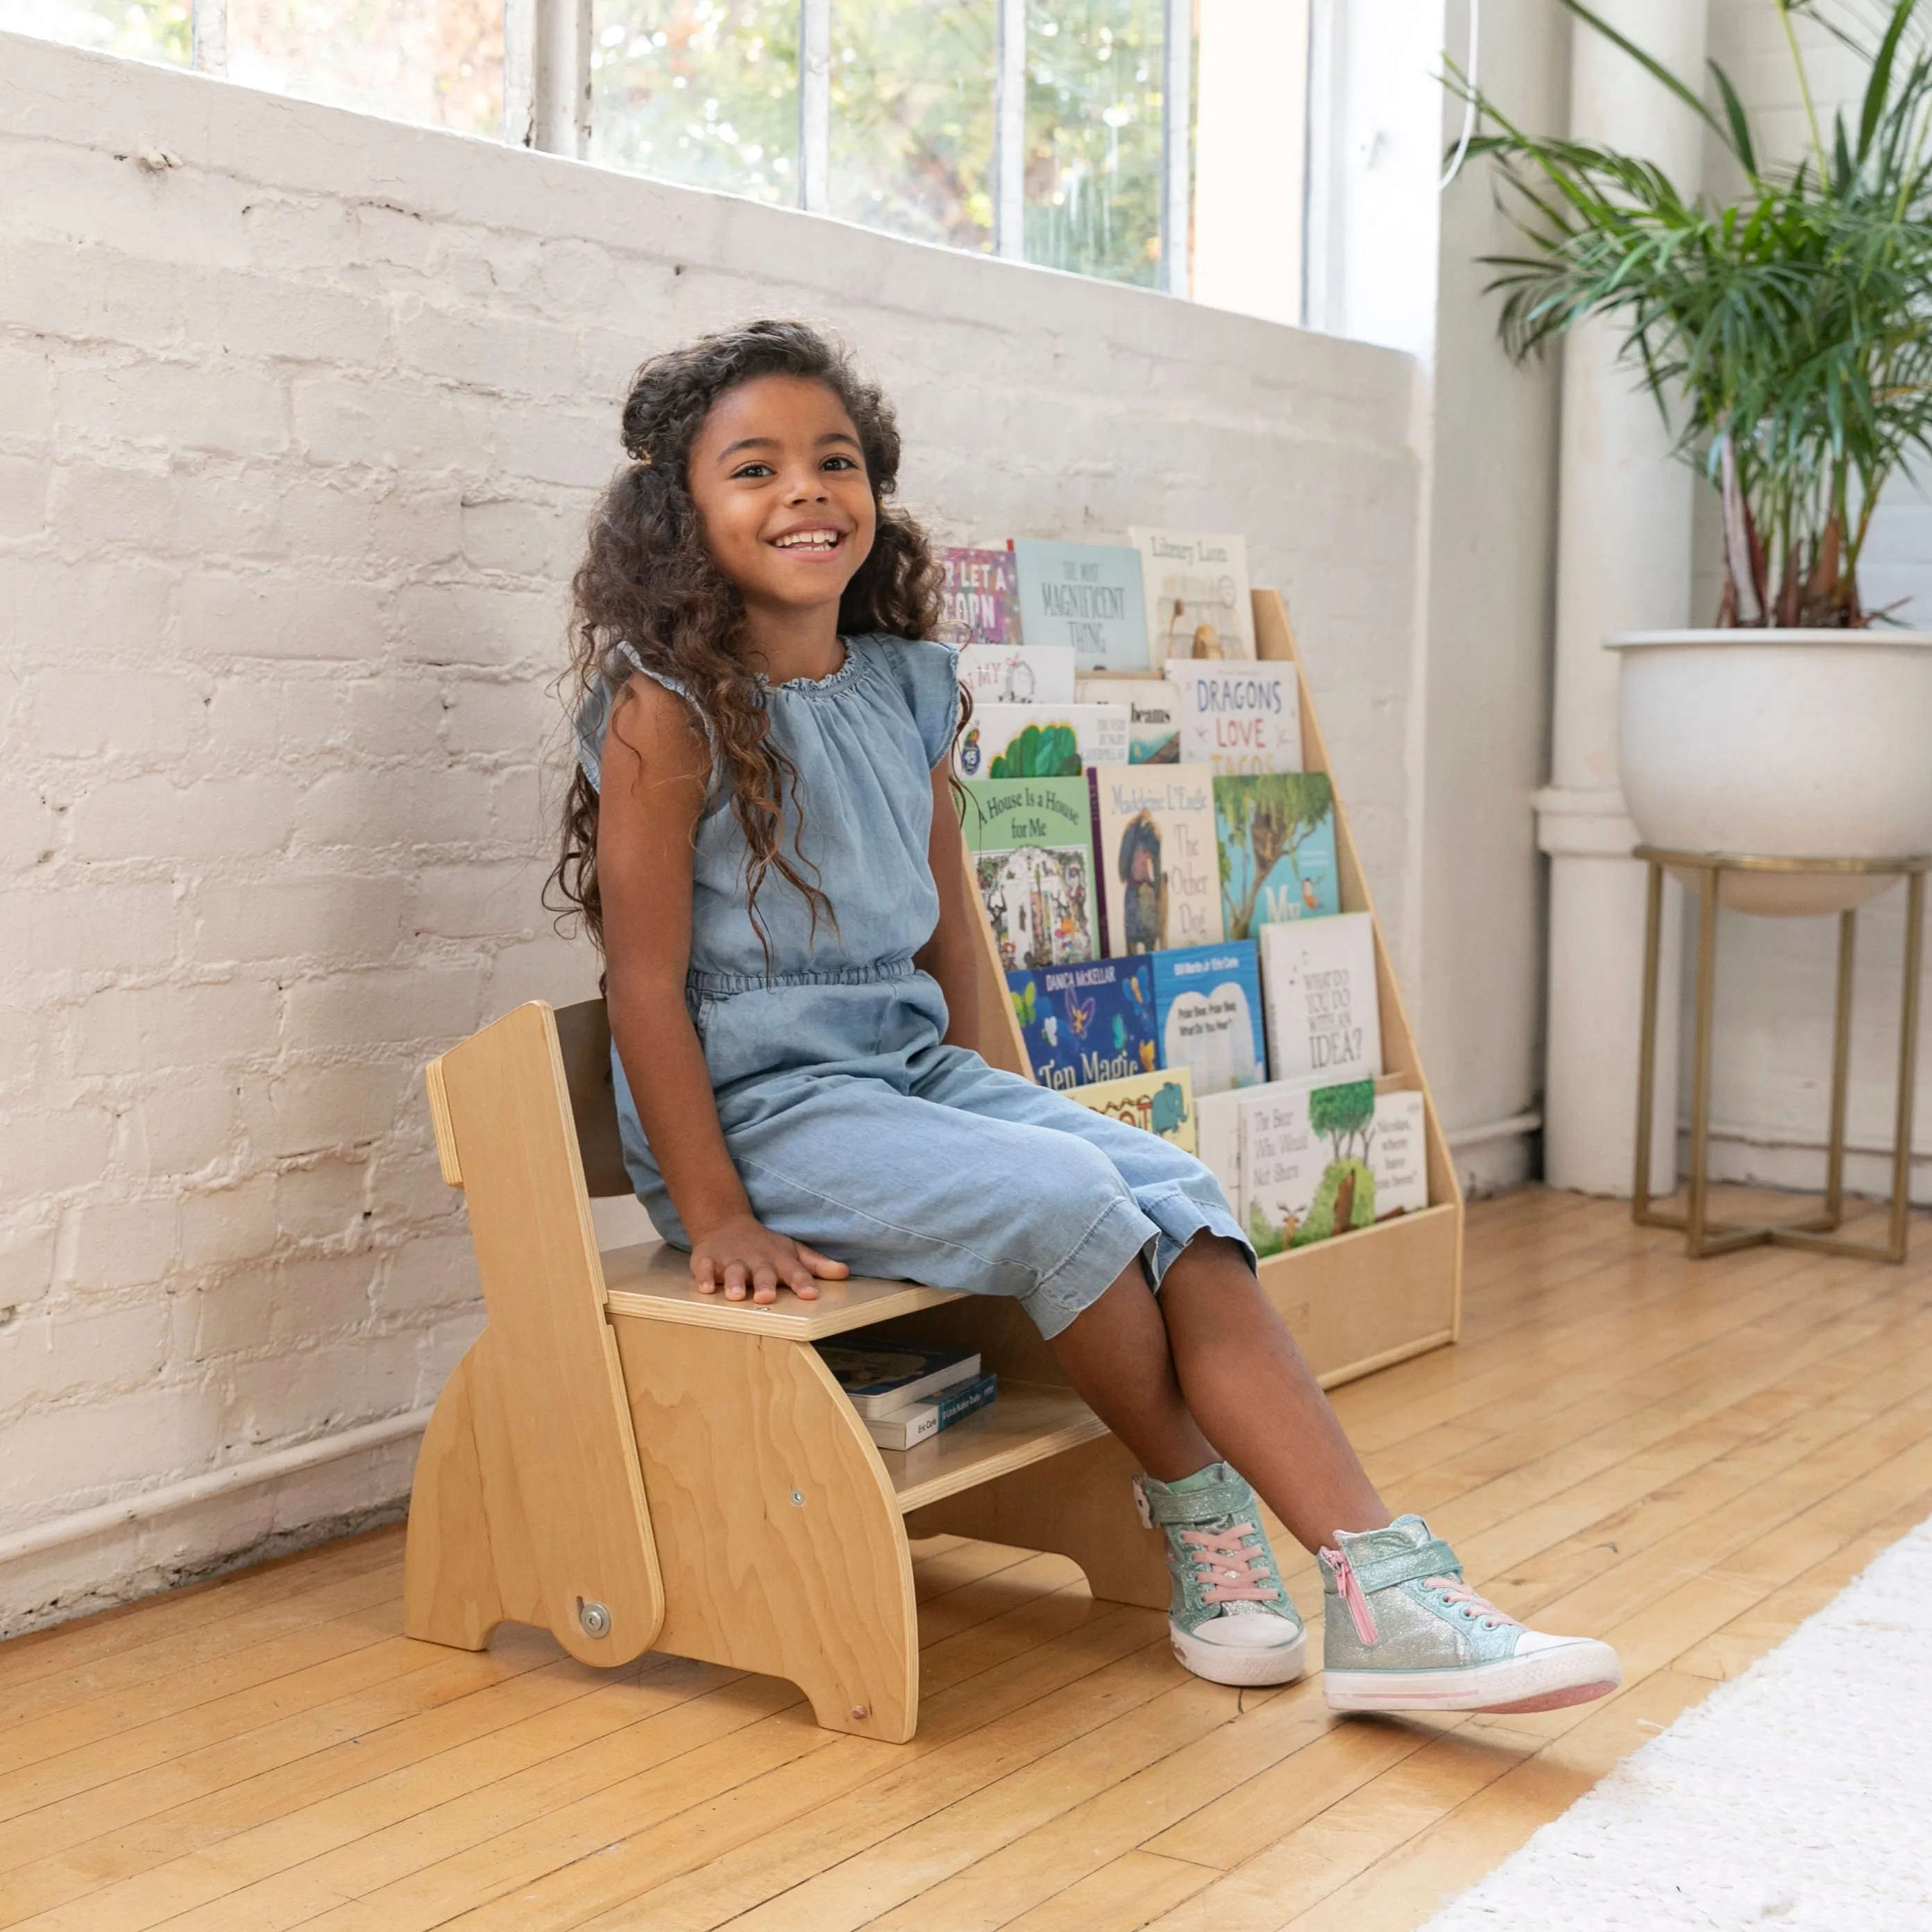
point(437, 62)
point(1093, 171)
point(155, 30)
point(701, 91)
point(912, 117)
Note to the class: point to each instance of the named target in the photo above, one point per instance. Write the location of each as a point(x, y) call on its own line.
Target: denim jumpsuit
point(853, 1126)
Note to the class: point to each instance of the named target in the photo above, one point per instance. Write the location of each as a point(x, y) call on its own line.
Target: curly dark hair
point(647, 581)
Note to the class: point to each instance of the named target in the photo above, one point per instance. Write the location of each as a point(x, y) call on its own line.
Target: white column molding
point(1597, 910)
point(1010, 134)
point(815, 106)
point(1624, 555)
point(1177, 103)
point(547, 76)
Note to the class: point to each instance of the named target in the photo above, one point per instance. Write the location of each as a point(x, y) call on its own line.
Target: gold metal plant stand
point(1817, 1232)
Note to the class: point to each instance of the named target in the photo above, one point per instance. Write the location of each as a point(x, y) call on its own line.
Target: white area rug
point(1799, 1797)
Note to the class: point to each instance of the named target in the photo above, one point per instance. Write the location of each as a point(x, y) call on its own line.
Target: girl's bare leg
point(1209, 1370)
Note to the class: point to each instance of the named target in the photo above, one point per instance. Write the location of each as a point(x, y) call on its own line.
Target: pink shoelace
point(1228, 1573)
point(1454, 1593)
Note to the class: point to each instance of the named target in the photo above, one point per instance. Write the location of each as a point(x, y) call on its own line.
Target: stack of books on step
point(903, 1392)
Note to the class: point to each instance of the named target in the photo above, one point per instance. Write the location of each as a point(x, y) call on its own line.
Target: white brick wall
point(296, 445)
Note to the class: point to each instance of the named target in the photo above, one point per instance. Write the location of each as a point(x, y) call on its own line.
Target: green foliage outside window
point(155, 30)
point(1093, 137)
point(912, 117)
point(701, 91)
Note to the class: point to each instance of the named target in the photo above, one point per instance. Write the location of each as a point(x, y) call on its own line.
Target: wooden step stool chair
point(635, 1466)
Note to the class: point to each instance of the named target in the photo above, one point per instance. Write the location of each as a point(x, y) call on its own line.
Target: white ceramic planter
point(1779, 744)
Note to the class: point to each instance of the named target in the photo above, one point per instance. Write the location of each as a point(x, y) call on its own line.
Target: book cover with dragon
point(1089, 1022)
point(1237, 717)
point(1031, 841)
point(1276, 834)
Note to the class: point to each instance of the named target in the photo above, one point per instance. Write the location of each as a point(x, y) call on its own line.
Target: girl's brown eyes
point(757, 472)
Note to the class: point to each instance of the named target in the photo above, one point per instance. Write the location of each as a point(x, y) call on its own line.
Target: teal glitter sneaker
point(1229, 1613)
point(1402, 1631)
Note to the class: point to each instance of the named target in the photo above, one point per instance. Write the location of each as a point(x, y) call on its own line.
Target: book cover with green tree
point(1275, 836)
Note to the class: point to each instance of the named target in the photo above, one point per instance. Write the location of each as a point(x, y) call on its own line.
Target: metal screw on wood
point(860, 1712)
point(798, 1499)
point(595, 1618)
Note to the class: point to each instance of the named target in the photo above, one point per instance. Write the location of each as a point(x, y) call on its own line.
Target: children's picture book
point(1085, 1023)
point(1196, 591)
point(1237, 717)
point(1032, 846)
point(1158, 881)
point(1040, 741)
point(1162, 1103)
point(1319, 991)
point(1277, 834)
point(904, 1427)
point(1208, 1011)
point(1017, 674)
point(1398, 1155)
point(1217, 1131)
point(1153, 728)
point(887, 1377)
point(978, 603)
point(1085, 594)
point(1305, 1167)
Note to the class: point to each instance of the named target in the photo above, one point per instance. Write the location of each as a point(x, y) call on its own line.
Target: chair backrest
point(583, 1033)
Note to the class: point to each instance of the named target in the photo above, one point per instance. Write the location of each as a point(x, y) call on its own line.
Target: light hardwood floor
point(1687, 1458)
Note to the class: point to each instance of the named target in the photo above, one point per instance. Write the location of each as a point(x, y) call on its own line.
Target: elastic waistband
point(717, 985)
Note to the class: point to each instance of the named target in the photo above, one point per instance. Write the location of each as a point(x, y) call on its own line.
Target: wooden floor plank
point(780, 1831)
point(1122, 1894)
point(300, 1581)
point(1689, 1458)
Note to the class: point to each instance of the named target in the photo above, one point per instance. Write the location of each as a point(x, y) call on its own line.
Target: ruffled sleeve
point(929, 674)
point(593, 714)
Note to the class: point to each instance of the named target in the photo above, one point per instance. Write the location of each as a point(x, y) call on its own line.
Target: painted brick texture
point(297, 443)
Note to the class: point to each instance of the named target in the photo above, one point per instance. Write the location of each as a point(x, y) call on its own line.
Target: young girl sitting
point(763, 839)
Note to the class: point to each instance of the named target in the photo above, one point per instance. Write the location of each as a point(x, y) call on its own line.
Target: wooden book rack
point(635, 1466)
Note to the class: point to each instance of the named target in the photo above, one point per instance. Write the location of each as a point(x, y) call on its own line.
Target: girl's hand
point(742, 1253)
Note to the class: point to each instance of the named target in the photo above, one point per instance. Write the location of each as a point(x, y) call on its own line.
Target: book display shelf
point(635, 1466)
point(1360, 1301)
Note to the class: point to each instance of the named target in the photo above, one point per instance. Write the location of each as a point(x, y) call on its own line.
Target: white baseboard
point(1492, 1157)
point(290, 1499)
point(1769, 1157)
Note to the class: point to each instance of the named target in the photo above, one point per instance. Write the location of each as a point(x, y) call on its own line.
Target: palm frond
point(1788, 336)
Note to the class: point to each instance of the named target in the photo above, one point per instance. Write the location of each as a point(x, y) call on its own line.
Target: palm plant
point(1787, 335)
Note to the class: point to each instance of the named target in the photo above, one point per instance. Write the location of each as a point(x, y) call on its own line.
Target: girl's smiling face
point(779, 480)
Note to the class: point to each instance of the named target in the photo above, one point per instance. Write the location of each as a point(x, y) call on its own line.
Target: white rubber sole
point(1279, 1664)
point(1546, 1680)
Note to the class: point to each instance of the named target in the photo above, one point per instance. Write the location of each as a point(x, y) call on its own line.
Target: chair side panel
point(562, 1403)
